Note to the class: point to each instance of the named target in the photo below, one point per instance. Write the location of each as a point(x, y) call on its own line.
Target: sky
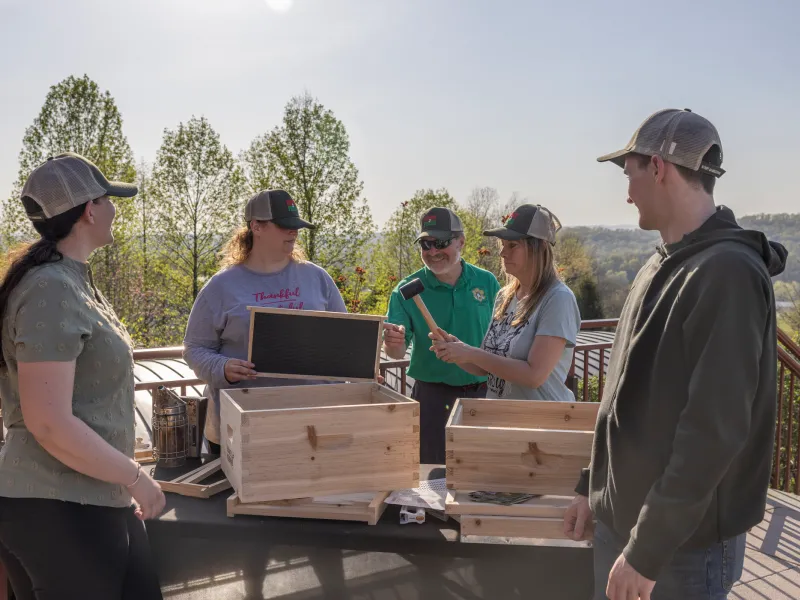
point(519, 96)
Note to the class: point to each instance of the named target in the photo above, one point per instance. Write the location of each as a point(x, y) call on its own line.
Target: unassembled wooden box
point(535, 447)
point(317, 440)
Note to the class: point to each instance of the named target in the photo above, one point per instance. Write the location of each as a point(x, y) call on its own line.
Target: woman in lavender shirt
point(262, 266)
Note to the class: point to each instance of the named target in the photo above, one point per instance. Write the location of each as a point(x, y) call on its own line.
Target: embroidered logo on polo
point(291, 206)
point(479, 294)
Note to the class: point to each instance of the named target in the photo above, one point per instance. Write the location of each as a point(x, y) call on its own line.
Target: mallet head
point(411, 289)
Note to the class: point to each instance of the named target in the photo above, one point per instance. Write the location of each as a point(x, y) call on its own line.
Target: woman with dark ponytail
point(72, 498)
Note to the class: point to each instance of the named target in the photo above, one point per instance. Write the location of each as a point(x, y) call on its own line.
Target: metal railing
point(589, 387)
point(786, 461)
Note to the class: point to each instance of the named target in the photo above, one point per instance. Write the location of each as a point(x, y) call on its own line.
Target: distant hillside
point(625, 250)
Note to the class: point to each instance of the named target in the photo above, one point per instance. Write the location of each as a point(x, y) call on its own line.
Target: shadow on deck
point(772, 562)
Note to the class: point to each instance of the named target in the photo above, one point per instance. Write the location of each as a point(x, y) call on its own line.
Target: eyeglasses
point(438, 244)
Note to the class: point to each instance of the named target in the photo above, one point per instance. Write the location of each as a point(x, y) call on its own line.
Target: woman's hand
point(452, 350)
point(239, 370)
point(149, 498)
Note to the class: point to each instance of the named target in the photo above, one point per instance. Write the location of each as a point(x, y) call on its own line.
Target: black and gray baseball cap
point(528, 220)
point(440, 223)
point(676, 135)
point(276, 206)
point(69, 180)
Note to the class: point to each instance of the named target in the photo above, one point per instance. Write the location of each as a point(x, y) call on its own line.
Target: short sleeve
point(560, 317)
point(50, 322)
point(397, 314)
point(335, 300)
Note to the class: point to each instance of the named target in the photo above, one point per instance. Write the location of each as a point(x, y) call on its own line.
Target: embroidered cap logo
point(510, 220)
point(429, 221)
point(291, 206)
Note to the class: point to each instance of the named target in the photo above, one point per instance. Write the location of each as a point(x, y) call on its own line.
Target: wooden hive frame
point(527, 446)
point(367, 507)
point(191, 483)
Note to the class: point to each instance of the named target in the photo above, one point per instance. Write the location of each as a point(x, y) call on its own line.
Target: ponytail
point(28, 256)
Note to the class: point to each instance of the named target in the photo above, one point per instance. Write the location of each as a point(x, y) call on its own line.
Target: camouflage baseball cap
point(440, 223)
point(528, 220)
point(276, 206)
point(69, 180)
point(677, 136)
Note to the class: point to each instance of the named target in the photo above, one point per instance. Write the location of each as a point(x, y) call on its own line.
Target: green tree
point(308, 156)
point(482, 211)
point(398, 255)
point(197, 193)
point(576, 267)
point(77, 116)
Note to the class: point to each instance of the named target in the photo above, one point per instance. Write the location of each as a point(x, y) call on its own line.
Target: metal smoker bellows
point(169, 428)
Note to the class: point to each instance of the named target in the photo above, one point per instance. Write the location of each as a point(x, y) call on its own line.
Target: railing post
point(601, 374)
point(777, 466)
point(585, 375)
point(787, 481)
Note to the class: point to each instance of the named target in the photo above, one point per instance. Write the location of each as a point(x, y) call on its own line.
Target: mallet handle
point(427, 315)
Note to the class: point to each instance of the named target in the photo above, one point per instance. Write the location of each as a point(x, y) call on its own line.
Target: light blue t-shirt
point(556, 315)
point(219, 324)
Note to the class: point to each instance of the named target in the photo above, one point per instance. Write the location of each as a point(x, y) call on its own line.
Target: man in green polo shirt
point(460, 297)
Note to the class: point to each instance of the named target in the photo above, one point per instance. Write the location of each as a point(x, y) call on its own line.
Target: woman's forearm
point(79, 447)
point(514, 370)
point(473, 369)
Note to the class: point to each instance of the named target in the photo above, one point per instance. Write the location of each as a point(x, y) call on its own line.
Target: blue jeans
point(704, 574)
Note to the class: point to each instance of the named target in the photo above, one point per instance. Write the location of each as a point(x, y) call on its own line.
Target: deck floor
point(772, 562)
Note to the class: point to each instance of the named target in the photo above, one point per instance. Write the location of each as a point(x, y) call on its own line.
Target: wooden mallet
point(412, 290)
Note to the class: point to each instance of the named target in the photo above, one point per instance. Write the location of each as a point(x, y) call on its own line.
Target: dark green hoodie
point(684, 437)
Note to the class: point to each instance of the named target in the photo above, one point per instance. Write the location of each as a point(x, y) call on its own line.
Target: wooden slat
point(307, 508)
point(531, 414)
point(523, 527)
point(459, 503)
point(516, 460)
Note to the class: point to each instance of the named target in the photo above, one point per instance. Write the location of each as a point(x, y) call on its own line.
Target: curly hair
point(237, 250)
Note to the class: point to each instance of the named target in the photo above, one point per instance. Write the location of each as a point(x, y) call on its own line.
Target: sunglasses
point(438, 244)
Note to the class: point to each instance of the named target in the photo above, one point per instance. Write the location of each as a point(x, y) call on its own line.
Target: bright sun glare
point(279, 5)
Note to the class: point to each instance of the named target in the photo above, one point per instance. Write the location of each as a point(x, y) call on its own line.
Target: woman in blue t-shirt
point(262, 266)
point(527, 350)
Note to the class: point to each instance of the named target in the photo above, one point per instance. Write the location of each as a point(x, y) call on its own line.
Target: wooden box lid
point(307, 344)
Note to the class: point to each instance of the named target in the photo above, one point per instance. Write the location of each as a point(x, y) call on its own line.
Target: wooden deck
point(772, 562)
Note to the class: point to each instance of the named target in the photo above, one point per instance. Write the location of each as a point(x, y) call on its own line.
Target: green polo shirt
point(463, 310)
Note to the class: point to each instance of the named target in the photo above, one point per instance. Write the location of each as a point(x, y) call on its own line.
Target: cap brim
point(505, 234)
point(293, 223)
point(439, 235)
point(121, 189)
point(618, 157)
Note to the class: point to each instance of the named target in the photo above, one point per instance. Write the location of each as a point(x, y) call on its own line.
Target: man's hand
point(624, 583)
point(394, 339)
point(578, 519)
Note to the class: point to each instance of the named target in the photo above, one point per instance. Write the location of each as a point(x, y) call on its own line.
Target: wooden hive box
point(306, 441)
point(525, 446)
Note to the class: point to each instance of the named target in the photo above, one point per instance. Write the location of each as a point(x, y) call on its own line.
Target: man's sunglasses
point(438, 244)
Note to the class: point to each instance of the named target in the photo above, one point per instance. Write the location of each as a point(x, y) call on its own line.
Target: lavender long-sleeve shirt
point(219, 324)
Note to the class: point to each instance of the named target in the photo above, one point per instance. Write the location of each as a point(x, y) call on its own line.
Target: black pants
point(435, 404)
point(56, 550)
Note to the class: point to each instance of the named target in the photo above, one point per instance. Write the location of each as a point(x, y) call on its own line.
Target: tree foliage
point(76, 117)
point(308, 156)
point(198, 191)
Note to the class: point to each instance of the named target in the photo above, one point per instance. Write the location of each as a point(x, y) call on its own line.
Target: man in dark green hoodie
point(684, 437)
